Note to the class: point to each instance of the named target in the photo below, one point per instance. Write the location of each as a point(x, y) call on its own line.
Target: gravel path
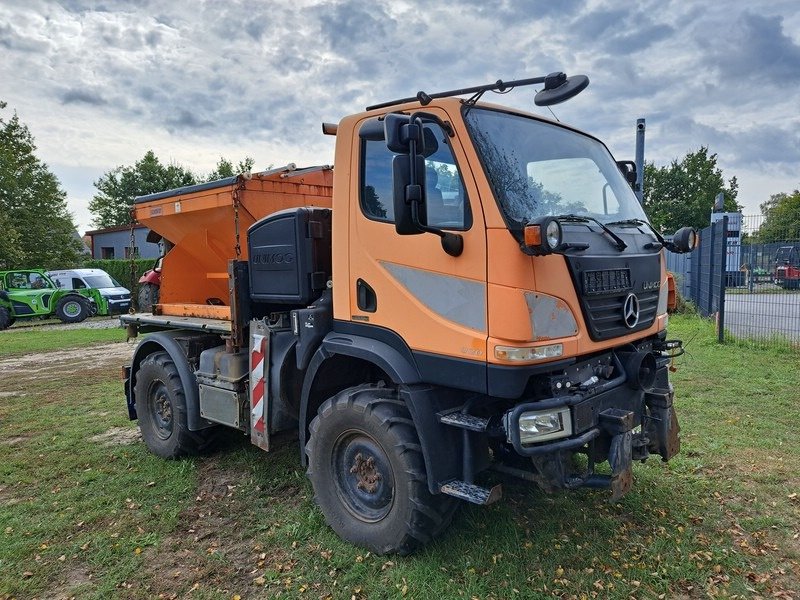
point(92, 323)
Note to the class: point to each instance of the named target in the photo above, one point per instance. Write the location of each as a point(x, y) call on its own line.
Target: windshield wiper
point(618, 242)
point(637, 222)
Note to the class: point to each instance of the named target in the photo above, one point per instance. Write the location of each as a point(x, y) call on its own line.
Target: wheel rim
point(160, 408)
point(363, 475)
point(72, 309)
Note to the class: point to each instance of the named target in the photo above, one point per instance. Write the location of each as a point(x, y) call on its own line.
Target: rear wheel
point(5, 319)
point(368, 473)
point(161, 409)
point(72, 309)
point(148, 296)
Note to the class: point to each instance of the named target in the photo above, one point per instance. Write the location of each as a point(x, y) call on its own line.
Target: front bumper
point(118, 307)
point(609, 421)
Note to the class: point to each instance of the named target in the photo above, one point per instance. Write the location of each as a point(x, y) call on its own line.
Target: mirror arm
point(452, 243)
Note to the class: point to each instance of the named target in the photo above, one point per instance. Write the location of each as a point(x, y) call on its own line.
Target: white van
point(117, 297)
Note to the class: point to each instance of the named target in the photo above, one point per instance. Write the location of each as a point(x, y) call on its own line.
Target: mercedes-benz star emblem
point(630, 311)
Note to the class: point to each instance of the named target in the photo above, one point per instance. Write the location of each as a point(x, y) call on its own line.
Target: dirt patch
point(13, 441)
point(209, 550)
point(28, 367)
point(71, 584)
point(118, 436)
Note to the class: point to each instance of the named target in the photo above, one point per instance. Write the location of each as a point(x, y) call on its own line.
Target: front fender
point(167, 341)
point(398, 367)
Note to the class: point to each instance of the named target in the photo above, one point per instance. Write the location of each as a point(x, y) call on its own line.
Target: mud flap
point(664, 427)
point(672, 444)
point(619, 457)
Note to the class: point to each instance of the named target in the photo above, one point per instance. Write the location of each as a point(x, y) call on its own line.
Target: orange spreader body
point(202, 225)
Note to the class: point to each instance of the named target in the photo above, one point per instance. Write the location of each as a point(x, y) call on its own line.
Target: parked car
point(115, 298)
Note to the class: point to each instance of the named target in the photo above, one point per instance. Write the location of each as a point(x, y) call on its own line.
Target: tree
point(36, 229)
point(225, 168)
point(683, 193)
point(117, 188)
point(781, 218)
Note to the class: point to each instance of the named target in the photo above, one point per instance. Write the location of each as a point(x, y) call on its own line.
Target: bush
point(120, 269)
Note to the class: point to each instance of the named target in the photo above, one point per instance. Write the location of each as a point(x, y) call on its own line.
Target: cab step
point(472, 493)
point(464, 421)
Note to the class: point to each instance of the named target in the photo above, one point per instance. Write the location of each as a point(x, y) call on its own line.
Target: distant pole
point(719, 203)
point(640, 160)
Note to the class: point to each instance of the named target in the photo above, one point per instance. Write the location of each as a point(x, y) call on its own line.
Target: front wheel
point(161, 409)
point(5, 319)
point(72, 309)
point(368, 473)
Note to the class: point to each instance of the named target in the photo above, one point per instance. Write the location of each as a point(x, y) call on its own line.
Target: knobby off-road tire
point(72, 309)
point(5, 319)
point(148, 296)
point(368, 473)
point(161, 409)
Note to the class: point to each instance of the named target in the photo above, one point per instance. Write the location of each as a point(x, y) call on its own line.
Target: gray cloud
point(11, 39)
point(80, 96)
point(755, 49)
point(260, 77)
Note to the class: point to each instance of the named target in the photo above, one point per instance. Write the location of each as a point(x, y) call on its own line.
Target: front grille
point(605, 314)
point(606, 281)
point(603, 284)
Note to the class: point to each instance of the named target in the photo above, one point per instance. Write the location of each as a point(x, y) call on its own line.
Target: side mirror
point(399, 133)
point(684, 240)
point(407, 195)
point(628, 168)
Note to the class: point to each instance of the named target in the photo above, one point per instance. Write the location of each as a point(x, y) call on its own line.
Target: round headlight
point(553, 234)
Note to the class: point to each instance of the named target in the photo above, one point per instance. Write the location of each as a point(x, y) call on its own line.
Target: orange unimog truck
point(472, 289)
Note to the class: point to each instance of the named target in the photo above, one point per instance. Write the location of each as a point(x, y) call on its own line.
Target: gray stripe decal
point(550, 317)
point(456, 299)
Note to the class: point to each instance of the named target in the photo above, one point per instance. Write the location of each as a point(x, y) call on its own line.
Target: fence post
point(723, 272)
point(711, 250)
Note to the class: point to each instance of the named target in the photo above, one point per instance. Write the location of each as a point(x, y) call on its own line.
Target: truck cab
point(485, 295)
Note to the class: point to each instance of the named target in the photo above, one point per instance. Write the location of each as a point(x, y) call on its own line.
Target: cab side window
point(446, 205)
point(77, 284)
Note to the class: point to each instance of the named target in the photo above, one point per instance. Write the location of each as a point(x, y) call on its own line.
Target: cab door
point(407, 285)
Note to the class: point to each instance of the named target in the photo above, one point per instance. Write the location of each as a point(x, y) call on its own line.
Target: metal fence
point(699, 275)
point(762, 303)
point(747, 279)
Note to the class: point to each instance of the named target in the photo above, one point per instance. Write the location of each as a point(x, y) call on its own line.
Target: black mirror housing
point(628, 168)
point(405, 195)
point(399, 132)
point(684, 240)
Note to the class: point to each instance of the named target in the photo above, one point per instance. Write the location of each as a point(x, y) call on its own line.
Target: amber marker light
point(542, 237)
point(533, 235)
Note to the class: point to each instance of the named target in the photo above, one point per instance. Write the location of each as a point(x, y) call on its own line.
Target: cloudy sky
point(100, 83)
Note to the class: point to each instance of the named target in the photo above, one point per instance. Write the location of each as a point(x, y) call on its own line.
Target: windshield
point(101, 282)
point(537, 169)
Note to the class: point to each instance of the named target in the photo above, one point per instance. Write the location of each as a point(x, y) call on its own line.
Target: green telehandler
point(30, 293)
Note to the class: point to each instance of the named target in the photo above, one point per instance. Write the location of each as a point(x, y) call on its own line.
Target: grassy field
point(86, 511)
point(22, 340)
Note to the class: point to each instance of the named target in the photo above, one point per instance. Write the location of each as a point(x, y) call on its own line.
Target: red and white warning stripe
point(257, 388)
